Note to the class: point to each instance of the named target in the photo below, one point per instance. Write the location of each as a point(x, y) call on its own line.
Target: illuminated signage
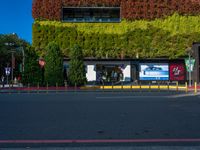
point(154, 71)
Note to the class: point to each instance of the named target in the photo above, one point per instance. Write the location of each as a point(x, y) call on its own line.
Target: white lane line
point(129, 97)
point(184, 95)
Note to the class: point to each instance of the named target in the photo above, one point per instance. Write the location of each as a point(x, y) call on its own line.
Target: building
point(122, 34)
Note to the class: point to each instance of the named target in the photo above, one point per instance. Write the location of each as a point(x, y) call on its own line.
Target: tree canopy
point(8, 43)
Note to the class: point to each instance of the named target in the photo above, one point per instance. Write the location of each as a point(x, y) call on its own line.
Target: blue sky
point(16, 17)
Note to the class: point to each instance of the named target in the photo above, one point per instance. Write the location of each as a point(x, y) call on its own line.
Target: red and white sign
point(177, 71)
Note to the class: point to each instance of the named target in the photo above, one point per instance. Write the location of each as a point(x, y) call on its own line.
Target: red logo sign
point(177, 72)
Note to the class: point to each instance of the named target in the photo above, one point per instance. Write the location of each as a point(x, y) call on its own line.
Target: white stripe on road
point(129, 97)
point(184, 95)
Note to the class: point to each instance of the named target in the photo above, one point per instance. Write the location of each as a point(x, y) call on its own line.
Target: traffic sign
point(7, 71)
point(189, 64)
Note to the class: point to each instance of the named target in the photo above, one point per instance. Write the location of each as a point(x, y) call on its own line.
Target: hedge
point(167, 37)
point(130, 9)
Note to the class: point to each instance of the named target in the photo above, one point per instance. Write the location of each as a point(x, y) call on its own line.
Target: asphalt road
point(99, 118)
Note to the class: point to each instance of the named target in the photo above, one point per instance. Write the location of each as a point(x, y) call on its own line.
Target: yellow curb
point(142, 87)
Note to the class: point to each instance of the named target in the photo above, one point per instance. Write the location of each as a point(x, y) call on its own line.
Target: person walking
point(2, 80)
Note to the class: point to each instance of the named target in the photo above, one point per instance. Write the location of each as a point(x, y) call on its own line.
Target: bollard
point(75, 87)
point(28, 88)
point(140, 87)
point(103, 86)
point(94, 86)
point(149, 87)
point(176, 86)
point(65, 86)
point(38, 87)
point(56, 87)
point(195, 88)
point(47, 88)
point(158, 86)
point(112, 87)
point(18, 89)
point(186, 87)
point(168, 86)
point(9, 88)
point(121, 85)
point(131, 87)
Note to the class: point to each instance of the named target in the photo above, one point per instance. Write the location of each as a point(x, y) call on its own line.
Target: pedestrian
point(2, 80)
point(115, 76)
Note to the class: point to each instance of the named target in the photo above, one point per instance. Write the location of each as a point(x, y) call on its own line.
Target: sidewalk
point(19, 87)
point(10, 85)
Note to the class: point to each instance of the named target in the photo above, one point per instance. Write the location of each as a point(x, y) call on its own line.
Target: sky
point(16, 17)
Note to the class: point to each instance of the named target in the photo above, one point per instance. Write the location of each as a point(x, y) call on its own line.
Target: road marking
point(98, 141)
point(129, 97)
point(183, 95)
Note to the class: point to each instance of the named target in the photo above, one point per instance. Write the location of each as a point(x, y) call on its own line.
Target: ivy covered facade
point(116, 29)
point(148, 29)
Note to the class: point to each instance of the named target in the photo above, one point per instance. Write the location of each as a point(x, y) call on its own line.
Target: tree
point(8, 43)
point(32, 71)
point(54, 65)
point(77, 73)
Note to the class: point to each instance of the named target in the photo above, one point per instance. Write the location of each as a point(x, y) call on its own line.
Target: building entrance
point(109, 73)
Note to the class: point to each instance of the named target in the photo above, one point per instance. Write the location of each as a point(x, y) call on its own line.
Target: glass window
point(90, 14)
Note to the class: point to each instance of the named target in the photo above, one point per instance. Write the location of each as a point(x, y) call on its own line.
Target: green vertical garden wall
point(166, 37)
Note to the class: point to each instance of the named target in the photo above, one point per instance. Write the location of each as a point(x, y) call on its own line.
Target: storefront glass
point(109, 73)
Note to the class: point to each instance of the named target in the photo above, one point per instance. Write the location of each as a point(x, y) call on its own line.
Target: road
point(99, 118)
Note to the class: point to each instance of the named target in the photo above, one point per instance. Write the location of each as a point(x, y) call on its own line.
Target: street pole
point(7, 75)
point(23, 59)
point(12, 67)
point(190, 72)
point(7, 79)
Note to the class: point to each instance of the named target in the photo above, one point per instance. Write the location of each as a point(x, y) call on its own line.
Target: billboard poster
point(177, 71)
point(154, 71)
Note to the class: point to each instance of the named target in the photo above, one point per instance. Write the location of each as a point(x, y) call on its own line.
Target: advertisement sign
point(177, 71)
point(154, 71)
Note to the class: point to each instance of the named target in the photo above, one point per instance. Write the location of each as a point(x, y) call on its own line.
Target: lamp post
point(190, 72)
point(23, 57)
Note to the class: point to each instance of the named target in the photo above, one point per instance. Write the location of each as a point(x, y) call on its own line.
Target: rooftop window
point(91, 14)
